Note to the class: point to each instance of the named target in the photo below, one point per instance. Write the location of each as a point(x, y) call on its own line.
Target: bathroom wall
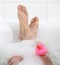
point(48, 12)
point(54, 20)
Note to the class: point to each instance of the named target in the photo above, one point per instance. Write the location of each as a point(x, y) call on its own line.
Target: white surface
point(25, 49)
point(54, 21)
point(27, 0)
point(1, 12)
point(5, 34)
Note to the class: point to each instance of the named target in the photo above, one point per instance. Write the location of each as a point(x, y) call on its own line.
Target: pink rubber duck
point(40, 49)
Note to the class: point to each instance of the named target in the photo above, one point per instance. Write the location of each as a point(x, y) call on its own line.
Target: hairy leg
point(46, 60)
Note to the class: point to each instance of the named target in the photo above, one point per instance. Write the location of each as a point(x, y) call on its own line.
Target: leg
point(15, 60)
point(46, 60)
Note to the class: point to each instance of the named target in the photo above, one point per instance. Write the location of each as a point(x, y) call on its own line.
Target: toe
point(33, 21)
point(19, 7)
point(22, 8)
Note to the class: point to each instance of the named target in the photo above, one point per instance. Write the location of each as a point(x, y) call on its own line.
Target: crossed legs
point(26, 31)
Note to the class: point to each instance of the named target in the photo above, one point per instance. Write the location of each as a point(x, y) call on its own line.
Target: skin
point(27, 32)
point(15, 60)
point(46, 60)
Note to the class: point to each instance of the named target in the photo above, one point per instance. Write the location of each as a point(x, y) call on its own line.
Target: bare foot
point(46, 60)
point(30, 32)
point(15, 60)
point(26, 31)
point(34, 25)
point(23, 18)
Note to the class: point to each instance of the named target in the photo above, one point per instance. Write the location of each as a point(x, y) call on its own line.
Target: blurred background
point(48, 12)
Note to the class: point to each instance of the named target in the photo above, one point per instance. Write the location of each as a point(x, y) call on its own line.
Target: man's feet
point(26, 31)
point(15, 60)
point(23, 19)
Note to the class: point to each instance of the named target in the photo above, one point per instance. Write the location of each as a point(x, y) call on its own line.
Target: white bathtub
point(9, 33)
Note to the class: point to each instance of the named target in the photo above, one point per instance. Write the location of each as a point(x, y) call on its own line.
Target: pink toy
point(40, 49)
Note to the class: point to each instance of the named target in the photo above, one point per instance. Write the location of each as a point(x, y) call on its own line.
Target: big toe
point(22, 8)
